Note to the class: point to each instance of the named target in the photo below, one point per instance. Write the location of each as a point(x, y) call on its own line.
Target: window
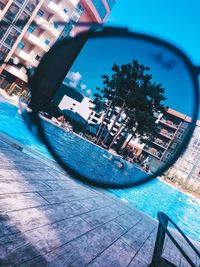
point(31, 28)
point(100, 8)
point(12, 12)
point(97, 115)
point(40, 13)
point(95, 121)
point(168, 155)
point(37, 57)
point(2, 5)
point(3, 52)
point(21, 45)
point(179, 135)
point(173, 145)
point(47, 41)
point(31, 6)
point(12, 36)
point(79, 8)
point(115, 127)
point(55, 25)
point(65, 10)
point(185, 125)
point(74, 104)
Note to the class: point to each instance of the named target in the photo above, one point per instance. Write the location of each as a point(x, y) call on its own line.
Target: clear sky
point(177, 21)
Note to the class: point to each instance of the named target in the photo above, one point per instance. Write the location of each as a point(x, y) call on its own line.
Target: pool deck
point(48, 219)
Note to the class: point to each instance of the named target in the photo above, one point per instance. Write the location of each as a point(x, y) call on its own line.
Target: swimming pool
point(150, 198)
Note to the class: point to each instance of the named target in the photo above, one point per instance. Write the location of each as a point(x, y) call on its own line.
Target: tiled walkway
point(47, 219)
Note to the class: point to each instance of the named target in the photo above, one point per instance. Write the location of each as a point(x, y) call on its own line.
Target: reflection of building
point(29, 42)
point(73, 104)
point(173, 126)
point(96, 119)
point(168, 139)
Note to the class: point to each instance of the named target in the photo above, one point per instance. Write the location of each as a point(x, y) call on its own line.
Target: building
point(30, 40)
point(168, 140)
point(173, 127)
point(109, 123)
point(187, 166)
point(73, 103)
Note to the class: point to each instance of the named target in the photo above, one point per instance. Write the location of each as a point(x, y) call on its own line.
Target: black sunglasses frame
point(100, 31)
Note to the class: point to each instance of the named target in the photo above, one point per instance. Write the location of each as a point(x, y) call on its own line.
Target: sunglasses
point(114, 108)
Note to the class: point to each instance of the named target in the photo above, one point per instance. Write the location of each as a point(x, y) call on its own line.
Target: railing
point(169, 123)
point(163, 144)
point(158, 260)
point(166, 133)
point(153, 152)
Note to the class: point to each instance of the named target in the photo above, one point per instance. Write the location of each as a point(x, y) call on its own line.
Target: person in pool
point(118, 162)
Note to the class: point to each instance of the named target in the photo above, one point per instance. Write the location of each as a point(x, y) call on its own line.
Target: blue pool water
point(152, 197)
point(158, 196)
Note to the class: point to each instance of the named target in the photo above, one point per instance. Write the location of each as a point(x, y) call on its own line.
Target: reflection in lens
point(122, 111)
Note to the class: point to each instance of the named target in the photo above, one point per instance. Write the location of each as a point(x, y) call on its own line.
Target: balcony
point(165, 133)
point(58, 10)
point(160, 144)
point(27, 56)
point(169, 123)
point(19, 73)
point(38, 41)
point(48, 26)
point(154, 152)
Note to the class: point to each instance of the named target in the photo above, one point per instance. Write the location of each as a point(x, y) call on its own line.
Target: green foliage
point(131, 88)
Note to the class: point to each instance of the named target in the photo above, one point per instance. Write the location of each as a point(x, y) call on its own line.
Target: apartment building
point(188, 165)
point(30, 40)
point(173, 127)
point(112, 125)
point(169, 125)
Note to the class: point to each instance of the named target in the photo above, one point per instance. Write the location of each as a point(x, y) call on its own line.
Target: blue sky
point(175, 21)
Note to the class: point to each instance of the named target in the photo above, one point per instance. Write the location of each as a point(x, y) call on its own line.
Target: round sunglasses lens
point(121, 112)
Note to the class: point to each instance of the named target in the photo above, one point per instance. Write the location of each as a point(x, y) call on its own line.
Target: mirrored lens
point(121, 112)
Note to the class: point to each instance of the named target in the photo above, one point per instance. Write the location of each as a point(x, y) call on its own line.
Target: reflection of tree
point(133, 98)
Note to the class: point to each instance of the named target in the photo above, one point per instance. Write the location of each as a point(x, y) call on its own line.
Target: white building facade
point(82, 107)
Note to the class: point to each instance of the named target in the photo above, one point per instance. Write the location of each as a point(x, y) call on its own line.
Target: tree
point(131, 91)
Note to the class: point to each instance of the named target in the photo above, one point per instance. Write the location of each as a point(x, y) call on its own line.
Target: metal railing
point(158, 260)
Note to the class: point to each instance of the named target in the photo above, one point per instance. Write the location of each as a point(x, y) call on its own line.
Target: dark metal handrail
point(157, 260)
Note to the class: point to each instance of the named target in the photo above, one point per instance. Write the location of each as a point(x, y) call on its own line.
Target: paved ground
point(47, 219)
